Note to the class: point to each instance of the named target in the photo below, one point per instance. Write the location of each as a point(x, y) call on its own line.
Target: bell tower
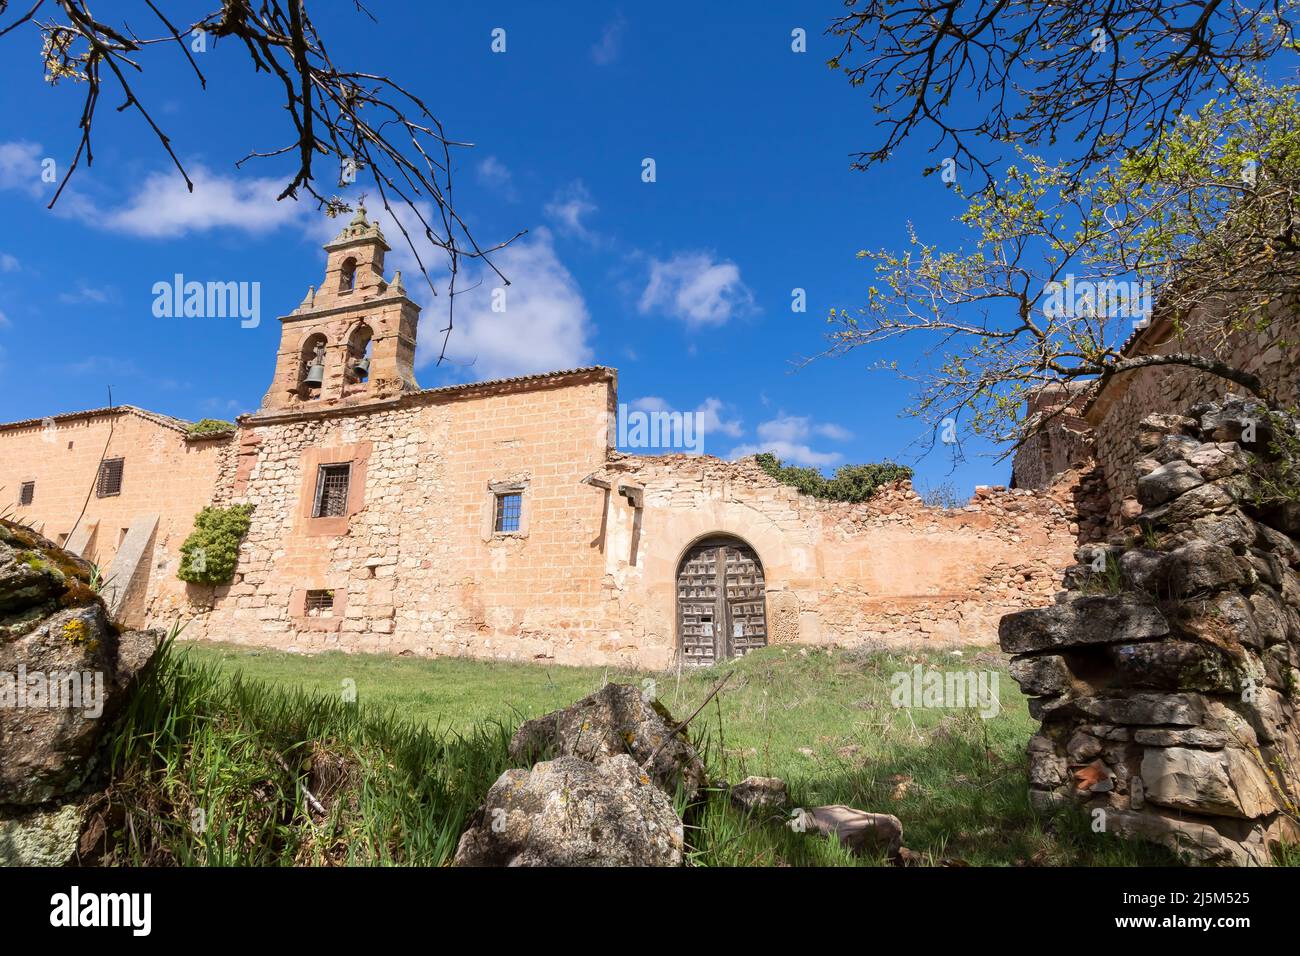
point(352, 340)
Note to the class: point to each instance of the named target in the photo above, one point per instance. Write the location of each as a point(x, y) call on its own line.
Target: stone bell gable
point(352, 340)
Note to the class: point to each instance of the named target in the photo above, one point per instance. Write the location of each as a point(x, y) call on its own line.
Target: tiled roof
point(167, 421)
point(180, 425)
point(517, 380)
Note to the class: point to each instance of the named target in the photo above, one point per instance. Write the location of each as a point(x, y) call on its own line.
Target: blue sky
point(683, 284)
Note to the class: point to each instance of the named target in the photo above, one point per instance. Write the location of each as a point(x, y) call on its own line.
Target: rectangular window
point(109, 484)
point(27, 493)
point(332, 491)
point(319, 604)
point(509, 506)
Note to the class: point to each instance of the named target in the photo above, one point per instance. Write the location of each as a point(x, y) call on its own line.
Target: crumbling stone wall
point(1165, 675)
point(1061, 442)
point(890, 570)
point(592, 580)
point(1272, 353)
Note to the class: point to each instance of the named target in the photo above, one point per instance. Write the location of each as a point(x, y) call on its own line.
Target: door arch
point(721, 601)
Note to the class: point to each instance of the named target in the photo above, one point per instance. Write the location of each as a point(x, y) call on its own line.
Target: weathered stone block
point(1045, 676)
point(1173, 665)
point(1224, 782)
point(1097, 619)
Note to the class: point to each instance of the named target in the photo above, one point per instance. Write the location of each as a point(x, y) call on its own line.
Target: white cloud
point(711, 419)
point(88, 295)
point(606, 50)
point(833, 432)
point(710, 412)
point(651, 403)
point(8, 263)
point(695, 288)
point(494, 174)
point(568, 209)
point(20, 166)
point(787, 437)
point(4, 320)
point(545, 325)
point(161, 207)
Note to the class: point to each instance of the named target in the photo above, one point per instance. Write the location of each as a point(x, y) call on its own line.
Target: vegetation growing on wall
point(1275, 477)
point(849, 483)
point(208, 555)
point(211, 426)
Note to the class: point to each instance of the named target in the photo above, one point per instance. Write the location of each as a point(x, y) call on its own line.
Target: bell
point(361, 367)
point(315, 375)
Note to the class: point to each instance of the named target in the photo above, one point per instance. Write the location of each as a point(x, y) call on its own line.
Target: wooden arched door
point(721, 601)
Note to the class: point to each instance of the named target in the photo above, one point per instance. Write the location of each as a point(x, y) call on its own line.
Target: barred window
point(320, 603)
point(332, 490)
point(109, 484)
point(27, 493)
point(509, 507)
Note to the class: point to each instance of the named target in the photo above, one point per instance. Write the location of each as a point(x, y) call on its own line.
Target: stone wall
point(415, 566)
point(889, 570)
point(1166, 675)
point(165, 472)
point(591, 577)
point(1063, 442)
point(1114, 413)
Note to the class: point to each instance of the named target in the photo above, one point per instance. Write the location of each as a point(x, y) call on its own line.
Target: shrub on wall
point(849, 483)
point(208, 555)
point(211, 426)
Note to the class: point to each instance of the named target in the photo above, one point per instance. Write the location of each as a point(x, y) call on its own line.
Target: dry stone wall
point(1272, 353)
point(1165, 675)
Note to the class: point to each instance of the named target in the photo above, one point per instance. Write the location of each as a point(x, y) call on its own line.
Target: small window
point(319, 604)
point(109, 484)
point(332, 491)
point(348, 275)
point(509, 506)
point(27, 493)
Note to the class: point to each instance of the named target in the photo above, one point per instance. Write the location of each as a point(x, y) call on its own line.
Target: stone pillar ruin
point(1166, 674)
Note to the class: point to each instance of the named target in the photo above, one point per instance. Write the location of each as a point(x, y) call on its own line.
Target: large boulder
point(65, 669)
point(40, 837)
point(575, 812)
point(37, 577)
point(617, 719)
point(60, 686)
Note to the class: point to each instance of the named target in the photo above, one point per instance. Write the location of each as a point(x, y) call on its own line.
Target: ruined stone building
point(1094, 425)
point(495, 519)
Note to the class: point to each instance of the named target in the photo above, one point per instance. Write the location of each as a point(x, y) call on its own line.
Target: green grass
point(428, 736)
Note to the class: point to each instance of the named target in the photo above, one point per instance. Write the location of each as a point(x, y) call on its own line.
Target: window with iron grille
point(509, 507)
point(332, 490)
point(110, 478)
point(27, 493)
point(320, 604)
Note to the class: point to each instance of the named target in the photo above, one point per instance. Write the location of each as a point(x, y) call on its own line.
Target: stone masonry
point(1165, 675)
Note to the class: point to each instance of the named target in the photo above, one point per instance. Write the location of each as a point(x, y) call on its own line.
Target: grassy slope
point(821, 720)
